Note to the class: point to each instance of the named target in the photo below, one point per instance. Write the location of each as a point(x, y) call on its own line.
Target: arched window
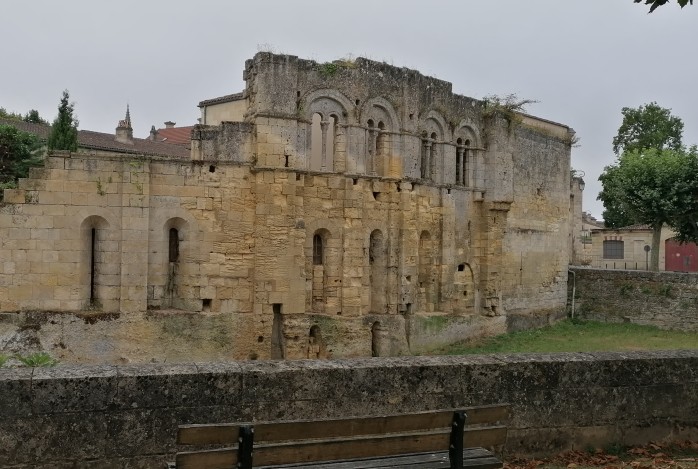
point(318, 250)
point(173, 245)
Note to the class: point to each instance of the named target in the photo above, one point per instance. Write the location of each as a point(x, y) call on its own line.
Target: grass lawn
point(578, 336)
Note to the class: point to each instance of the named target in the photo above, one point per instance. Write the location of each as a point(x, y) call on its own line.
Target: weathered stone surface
point(354, 210)
point(559, 401)
point(668, 300)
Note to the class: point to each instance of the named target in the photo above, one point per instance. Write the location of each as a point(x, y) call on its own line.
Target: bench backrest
point(327, 440)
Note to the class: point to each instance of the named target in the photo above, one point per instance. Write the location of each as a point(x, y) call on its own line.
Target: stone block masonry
point(127, 416)
point(668, 300)
point(360, 209)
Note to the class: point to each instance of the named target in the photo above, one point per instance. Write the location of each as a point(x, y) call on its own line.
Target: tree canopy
point(31, 116)
point(19, 151)
point(653, 187)
point(649, 126)
point(654, 181)
point(657, 3)
point(64, 132)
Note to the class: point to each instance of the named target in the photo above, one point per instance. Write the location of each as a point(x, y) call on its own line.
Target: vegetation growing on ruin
point(329, 69)
point(37, 359)
point(578, 336)
point(509, 106)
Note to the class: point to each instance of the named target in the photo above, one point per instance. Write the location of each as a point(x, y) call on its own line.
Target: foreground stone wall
point(126, 416)
point(668, 300)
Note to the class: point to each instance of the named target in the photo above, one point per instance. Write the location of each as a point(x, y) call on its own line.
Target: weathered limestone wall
point(668, 300)
point(360, 209)
point(126, 416)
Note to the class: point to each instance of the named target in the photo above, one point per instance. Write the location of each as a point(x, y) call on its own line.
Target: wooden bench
point(453, 438)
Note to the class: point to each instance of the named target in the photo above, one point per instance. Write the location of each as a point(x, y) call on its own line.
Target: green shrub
point(38, 359)
point(3, 360)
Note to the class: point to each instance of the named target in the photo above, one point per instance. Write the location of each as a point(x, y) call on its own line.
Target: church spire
point(124, 131)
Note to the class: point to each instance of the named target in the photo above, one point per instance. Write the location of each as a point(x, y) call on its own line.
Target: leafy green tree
point(31, 116)
point(5, 114)
point(649, 126)
point(658, 3)
point(64, 132)
point(34, 117)
point(19, 151)
point(615, 214)
point(653, 187)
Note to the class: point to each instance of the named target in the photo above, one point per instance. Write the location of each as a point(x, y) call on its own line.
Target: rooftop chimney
point(170, 124)
point(124, 131)
point(153, 134)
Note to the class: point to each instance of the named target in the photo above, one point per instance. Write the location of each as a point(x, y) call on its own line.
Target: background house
point(629, 248)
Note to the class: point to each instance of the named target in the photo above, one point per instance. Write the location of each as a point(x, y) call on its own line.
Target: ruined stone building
point(328, 210)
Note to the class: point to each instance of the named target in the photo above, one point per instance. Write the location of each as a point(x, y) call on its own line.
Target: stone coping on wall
point(127, 415)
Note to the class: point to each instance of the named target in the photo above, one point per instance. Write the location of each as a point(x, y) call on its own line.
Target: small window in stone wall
point(613, 249)
point(174, 245)
point(318, 251)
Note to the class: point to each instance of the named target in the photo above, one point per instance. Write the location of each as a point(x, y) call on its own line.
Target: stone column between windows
point(323, 126)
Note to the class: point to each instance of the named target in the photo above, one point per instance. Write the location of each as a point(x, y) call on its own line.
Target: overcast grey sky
point(583, 60)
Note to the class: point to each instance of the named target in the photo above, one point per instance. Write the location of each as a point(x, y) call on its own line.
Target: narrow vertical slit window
point(174, 245)
point(93, 264)
point(318, 248)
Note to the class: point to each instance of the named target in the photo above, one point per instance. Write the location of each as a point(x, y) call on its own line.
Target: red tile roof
point(89, 140)
point(175, 135)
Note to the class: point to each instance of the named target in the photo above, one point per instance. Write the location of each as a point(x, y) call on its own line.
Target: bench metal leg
point(245, 444)
point(455, 449)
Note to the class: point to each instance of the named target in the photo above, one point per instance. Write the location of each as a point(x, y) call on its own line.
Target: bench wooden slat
point(360, 447)
point(486, 414)
point(352, 427)
point(486, 437)
point(208, 434)
point(471, 457)
point(225, 458)
point(226, 433)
